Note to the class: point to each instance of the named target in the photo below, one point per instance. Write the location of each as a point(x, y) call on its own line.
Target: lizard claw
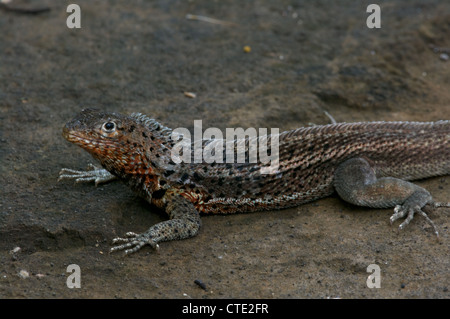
point(134, 242)
point(402, 211)
point(93, 173)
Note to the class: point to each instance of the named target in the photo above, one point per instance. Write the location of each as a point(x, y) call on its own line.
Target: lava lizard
point(367, 164)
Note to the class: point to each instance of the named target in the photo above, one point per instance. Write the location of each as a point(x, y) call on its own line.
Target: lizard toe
point(402, 211)
point(399, 212)
point(132, 242)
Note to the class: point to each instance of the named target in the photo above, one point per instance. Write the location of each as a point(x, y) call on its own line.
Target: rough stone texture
point(140, 56)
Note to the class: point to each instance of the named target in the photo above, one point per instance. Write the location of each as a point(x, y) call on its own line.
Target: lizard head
point(123, 144)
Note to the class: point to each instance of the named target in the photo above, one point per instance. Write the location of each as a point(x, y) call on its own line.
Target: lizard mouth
point(71, 136)
point(75, 138)
point(95, 146)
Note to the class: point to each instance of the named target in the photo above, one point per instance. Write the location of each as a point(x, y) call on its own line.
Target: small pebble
point(24, 274)
point(247, 49)
point(443, 56)
point(200, 284)
point(190, 95)
point(15, 250)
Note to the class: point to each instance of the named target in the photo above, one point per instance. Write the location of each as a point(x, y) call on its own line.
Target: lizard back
point(308, 158)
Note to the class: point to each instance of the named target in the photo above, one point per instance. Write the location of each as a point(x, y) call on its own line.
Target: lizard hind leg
point(356, 182)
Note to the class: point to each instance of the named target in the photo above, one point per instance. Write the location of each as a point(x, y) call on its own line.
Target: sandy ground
point(306, 58)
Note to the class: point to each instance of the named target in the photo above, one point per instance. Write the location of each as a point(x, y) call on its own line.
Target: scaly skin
point(368, 164)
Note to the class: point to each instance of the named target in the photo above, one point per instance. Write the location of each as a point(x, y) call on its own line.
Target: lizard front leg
point(92, 174)
point(184, 222)
point(355, 181)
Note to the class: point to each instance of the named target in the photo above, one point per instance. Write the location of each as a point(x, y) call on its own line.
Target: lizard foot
point(93, 173)
point(134, 242)
point(401, 211)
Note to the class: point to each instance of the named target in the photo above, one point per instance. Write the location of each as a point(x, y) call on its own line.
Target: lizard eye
point(109, 127)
